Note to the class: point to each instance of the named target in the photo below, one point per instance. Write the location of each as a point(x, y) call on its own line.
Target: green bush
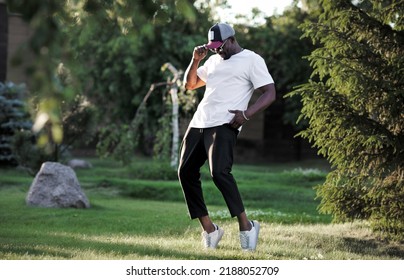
point(77, 124)
point(154, 170)
point(28, 155)
point(18, 143)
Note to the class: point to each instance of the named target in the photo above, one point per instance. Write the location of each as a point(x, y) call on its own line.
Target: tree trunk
point(174, 122)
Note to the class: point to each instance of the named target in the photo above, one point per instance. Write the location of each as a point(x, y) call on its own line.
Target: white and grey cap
point(218, 33)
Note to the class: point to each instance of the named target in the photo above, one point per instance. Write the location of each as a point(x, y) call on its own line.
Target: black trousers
point(216, 145)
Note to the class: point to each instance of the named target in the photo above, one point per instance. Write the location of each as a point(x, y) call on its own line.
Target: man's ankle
point(210, 229)
point(245, 227)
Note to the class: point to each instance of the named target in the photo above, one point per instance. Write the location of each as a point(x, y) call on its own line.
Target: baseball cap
point(218, 33)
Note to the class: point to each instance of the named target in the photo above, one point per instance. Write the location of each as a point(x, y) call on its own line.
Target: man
point(230, 75)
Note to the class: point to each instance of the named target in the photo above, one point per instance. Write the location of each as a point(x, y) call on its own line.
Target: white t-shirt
point(229, 86)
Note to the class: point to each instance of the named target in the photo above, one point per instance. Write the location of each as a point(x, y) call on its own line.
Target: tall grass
point(135, 216)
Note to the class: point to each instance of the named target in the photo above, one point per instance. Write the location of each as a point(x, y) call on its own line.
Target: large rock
point(56, 185)
point(79, 164)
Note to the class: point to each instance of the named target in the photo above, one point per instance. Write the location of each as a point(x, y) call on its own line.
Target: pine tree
point(13, 118)
point(354, 103)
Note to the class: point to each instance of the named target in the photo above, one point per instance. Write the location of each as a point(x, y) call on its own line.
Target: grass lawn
point(135, 216)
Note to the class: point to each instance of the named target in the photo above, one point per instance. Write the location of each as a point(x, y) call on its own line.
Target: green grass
point(134, 216)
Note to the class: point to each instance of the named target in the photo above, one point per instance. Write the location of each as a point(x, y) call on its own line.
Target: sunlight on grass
point(328, 242)
point(269, 215)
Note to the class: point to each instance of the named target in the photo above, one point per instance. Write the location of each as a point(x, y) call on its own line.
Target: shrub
point(154, 170)
point(18, 143)
point(29, 155)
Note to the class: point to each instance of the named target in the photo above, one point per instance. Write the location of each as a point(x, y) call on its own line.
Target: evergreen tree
point(354, 103)
point(13, 118)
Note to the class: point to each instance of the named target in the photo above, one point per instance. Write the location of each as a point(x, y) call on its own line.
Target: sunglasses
point(219, 49)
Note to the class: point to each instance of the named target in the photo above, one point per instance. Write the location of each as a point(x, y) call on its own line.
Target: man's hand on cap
point(200, 52)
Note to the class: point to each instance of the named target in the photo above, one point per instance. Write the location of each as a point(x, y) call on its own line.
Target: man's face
point(223, 50)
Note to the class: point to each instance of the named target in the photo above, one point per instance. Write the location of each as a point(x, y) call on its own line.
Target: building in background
point(3, 40)
point(14, 34)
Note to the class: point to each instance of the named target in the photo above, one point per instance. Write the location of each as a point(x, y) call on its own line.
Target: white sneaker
point(249, 238)
point(210, 240)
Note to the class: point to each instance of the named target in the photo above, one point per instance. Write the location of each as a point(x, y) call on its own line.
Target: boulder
point(79, 164)
point(57, 186)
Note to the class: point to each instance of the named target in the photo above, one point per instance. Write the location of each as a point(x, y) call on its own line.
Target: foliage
point(18, 145)
point(78, 114)
point(27, 153)
point(164, 146)
point(279, 42)
point(77, 118)
point(48, 46)
point(123, 45)
point(18, 140)
point(355, 110)
point(161, 148)
point(31, 149)
point(114, 50)
point(13, 118)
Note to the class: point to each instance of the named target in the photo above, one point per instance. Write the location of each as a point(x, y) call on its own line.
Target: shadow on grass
point(74, 248)
point(28, 252)
point(372, 247)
